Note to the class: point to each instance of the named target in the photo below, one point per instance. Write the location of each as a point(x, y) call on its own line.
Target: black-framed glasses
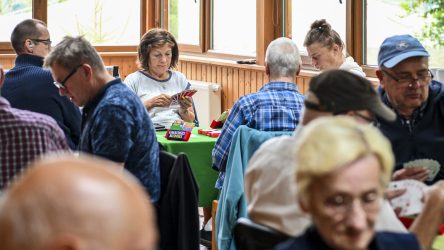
point(47, 42)
point(423, 79)
point(61, 84)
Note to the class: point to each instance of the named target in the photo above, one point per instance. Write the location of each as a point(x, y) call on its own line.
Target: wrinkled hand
point(419, 173)
point(161, 100)
point(185, 102)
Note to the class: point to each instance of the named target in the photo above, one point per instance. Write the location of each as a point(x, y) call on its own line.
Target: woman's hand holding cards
point(161, 100)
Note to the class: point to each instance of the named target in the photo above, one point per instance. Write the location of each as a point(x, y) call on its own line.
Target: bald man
point(64, 202)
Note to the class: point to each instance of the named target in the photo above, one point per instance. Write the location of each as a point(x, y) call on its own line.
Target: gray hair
point(74, 51)
point(282, 57)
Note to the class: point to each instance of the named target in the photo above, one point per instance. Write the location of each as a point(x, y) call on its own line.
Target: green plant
point(432, 13)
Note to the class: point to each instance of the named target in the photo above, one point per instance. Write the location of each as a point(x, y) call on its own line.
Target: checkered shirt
point(276, 107)
point(24, 136)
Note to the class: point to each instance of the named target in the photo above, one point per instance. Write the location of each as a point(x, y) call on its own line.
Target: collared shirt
point(116, 126)
point(276, 107)
point(24, 136)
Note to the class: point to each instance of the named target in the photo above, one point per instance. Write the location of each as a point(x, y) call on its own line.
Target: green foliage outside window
point(432, 13)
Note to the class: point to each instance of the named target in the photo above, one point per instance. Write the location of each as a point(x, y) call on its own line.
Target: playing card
point(409, 202)
point(176, 97)
point(432, 165)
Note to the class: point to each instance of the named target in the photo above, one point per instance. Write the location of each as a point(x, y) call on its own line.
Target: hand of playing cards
point(432, 165)
point(410, 202)
point(176, 97)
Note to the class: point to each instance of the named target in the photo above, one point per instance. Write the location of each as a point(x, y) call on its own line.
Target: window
point(395, 20)
point(305, 12)
point(11, 13)
point(102, 22)
point(184, 21)
point(234, 27)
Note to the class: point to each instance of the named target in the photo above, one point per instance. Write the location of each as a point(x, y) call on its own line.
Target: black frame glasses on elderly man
point(423, 79)
point(61, 84)
point(47, 42)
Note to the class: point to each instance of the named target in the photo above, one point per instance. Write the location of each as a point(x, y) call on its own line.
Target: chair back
point(249, 235)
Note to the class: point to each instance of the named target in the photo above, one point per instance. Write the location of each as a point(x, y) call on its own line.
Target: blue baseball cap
point(396, 49)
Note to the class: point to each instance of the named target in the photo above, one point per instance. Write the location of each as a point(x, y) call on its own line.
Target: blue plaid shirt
point(276, 107)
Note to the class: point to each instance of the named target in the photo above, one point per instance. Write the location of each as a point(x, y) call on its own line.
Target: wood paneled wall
point(236, 80)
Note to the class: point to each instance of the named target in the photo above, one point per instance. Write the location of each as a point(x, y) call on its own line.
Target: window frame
point(154, 13)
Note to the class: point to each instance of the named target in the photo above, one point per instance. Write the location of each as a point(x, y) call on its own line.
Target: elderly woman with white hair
point(343, 170)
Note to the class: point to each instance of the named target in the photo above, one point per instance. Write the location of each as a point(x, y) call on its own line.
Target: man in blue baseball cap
point(408, 88)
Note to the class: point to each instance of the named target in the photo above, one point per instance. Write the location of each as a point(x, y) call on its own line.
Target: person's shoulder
point(274, 153)
point(178, 75)
point(133, 77)
point(31, 120)
point(393, 241)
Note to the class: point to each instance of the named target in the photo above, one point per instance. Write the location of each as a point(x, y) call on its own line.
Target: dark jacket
point(311, 240)
point(178, 215)
point(423, 136)
point(28, 86)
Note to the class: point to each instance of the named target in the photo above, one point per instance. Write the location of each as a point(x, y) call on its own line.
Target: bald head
point(65, 202)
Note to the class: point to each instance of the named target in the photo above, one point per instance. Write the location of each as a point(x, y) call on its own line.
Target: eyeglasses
point(47, 42)
point(423, 79)
point(340, 205)
point(61, 84)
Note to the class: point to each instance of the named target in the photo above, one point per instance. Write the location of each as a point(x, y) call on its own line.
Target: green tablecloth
point(198, 149)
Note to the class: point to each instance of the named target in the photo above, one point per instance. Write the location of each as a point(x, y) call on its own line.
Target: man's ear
point(29, 46)
point(299, 69)
point(380, 76)
point(87, 71)
point(267, 69)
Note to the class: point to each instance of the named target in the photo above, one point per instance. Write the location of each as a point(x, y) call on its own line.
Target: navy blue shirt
point(28, 86)
point(116, 126)
point(312, 240)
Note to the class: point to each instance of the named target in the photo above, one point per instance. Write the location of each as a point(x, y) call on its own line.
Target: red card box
point(216, 124)
point(178, 135)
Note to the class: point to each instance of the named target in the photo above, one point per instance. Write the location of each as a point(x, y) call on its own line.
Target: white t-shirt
point(351, 66)
point(147, 87)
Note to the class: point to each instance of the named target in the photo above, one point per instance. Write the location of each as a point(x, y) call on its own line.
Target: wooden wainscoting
point(236, 80)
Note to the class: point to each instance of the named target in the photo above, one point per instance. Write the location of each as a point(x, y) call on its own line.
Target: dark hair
point(321, 32)
point(156, 38)
point(25, 30)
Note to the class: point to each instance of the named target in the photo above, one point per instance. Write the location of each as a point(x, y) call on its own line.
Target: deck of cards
point(410, 202)
point(432, 165)
point(176, 97)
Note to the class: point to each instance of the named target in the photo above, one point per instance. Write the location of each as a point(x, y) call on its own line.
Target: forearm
point(426, 225)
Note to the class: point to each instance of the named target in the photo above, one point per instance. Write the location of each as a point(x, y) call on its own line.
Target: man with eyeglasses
point(28, 86)
point(407, 87)
point(115, 124)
